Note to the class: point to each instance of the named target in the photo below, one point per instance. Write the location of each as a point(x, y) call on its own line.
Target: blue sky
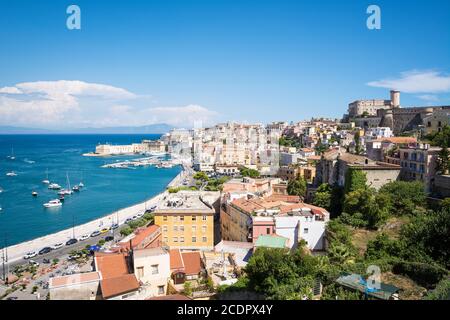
point(138, 62)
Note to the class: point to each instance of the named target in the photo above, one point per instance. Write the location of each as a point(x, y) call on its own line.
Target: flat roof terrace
point(185, 202)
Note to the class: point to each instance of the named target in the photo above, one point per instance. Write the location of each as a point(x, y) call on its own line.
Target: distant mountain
point(158, 128)
point(21, 130)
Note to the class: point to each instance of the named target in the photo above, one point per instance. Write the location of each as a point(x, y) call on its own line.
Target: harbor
point(16, 252)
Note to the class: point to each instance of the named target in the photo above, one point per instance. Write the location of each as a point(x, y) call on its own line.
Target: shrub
point(426, 275)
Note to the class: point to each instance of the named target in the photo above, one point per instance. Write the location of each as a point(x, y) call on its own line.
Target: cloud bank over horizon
point(78, 104)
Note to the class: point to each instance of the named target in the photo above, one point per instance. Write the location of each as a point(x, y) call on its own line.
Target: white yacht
point(68, 190)
point(11, 174)
point(46, 181)
point(53, 203)
point(54, 186)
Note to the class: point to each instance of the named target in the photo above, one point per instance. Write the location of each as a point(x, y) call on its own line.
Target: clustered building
point(198, 234)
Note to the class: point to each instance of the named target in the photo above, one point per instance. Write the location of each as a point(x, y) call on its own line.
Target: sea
point(23, 217)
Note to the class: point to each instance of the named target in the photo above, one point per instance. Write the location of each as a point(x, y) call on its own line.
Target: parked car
point(57, 246)
point(128, 220)
point(114, 226)
point(83, 237)
point(30, 255)
point(134, 218)
point(104, 230)
point(11, 298)
point(34, 263)
point(95, 233)
point(46, 261)
point(45, 250)
point(71, 242)
point(140, 215)
point(109, 238)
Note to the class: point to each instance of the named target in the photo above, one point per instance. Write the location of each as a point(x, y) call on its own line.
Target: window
point(164, 218)
point(140, 272)
point(175, 228)
point(204, 229)
point(182, 239)
point(305, 230)
point(182, 228)
point(161, 290)
point(164, 228)
point(155, 269)
point(267, 230)
point(165, 240)
point(194, 228)
point(194, 239)
point(204, 239)
point(175, 239)
point(181, 218)
point(194, 218)
point(204, 218)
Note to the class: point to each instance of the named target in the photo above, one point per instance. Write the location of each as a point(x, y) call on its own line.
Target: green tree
point(339, 254)
point(427, 237)
point(187, 288)
point(441, 292)
point(297, 187)
point(405, 196)
point(443, 160)
point(354, 180)
point(247, 172)
point(201, 176)
point(365, 208)
point(322, 197)
point(383, 247)
point(358, 148)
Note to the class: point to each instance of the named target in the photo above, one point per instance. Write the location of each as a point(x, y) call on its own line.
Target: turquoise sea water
point(23, 217)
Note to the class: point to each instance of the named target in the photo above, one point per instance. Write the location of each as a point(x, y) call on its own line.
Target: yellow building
point(187, 221)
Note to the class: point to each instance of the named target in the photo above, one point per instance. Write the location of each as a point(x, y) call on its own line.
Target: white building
point(152, 269)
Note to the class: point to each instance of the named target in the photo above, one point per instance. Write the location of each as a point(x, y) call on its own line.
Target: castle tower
point(395, 99)
point(387, 119)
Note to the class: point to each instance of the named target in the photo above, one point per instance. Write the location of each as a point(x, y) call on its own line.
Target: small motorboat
point(65, 192)
point(11, 174)
point(34, 194)
point(81, 185)
point(61, 198)
point(54, 186)
point(53, 203)
point(76, 188)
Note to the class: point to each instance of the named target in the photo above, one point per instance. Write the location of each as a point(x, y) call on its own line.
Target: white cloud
point(60, 104)
point(185, 116)
point(10, 90)
point(429, 97)
point(416, 82)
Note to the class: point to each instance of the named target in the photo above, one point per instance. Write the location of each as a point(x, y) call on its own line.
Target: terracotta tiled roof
point(140, 235)
point(192, 262)
point(400, 139)
point(116, 278)
point(111, 265)
point(187, 262)
point(119, 285)
point(176, 260)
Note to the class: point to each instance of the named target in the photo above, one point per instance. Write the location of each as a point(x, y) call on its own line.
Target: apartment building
point(187, 220)
point(419, 163)
point(276, 215)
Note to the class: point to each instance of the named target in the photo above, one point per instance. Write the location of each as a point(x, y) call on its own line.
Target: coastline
point(17, 251)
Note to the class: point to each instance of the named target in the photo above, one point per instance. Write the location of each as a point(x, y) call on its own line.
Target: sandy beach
point(16, 252)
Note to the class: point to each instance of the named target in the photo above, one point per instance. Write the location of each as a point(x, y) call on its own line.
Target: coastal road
point(65, 251)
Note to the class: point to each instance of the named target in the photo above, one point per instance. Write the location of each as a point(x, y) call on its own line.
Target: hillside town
point(287, 210)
